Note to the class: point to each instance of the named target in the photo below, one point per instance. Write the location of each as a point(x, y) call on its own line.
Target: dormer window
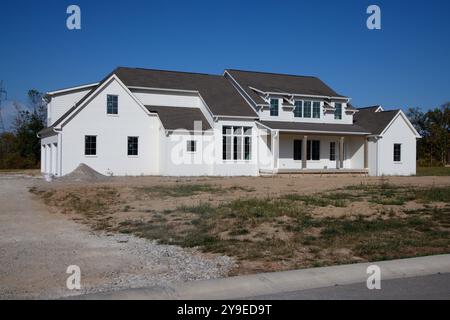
point(307, 109)
point(298, 110)
point(316, 110)
point(338, 111)
point(274, 104)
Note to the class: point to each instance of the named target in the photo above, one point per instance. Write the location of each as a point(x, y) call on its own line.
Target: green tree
point(434, 127)
point(26, 126)
point(438, 127)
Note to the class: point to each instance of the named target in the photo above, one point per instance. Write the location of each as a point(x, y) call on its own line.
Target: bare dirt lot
point(37, 246)
point(268, 223)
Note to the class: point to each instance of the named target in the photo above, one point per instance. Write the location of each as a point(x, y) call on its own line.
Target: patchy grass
point(434, 194)
point(241, 227)
point(274, 233)
point(322, 200)
point(433, 171)
point(180, 190)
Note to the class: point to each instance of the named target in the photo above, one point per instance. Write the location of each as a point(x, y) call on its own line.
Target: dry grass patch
point(362, 222)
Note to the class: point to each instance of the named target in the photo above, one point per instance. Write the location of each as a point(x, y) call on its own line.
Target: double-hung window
point(298, 109)
point(338, 111)
point(133, 145)
point(397, 152)
point(90, 145)
point(112, 104)
point(191, 146)
point(316, 109)
point(274, 104)
point(307, 109)
point(236, 143)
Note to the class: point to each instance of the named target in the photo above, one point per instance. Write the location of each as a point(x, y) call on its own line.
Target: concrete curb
point(286, 281)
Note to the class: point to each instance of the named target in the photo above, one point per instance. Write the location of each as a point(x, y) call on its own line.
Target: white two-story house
point(154, 122)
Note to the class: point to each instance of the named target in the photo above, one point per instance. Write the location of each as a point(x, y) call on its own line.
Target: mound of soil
point(83, 173)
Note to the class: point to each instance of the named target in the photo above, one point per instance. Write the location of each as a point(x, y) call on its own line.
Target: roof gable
point(86, 99)
point(373, 121)
point(377, 121)
point(408, 123)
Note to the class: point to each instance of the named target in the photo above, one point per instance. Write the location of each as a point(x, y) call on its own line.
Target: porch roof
point(320, 128)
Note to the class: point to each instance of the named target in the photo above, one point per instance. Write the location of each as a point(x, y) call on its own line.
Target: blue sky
point(405, 64)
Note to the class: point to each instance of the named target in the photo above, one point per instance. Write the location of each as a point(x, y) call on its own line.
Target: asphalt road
point(435, 287)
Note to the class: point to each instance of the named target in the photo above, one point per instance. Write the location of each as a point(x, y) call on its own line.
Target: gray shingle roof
point(174, 118)
point(283, 83)
point(315, 127)
point(374, 122)
point(218, 93)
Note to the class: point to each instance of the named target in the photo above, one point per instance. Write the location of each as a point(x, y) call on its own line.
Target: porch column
point(275, 148)
point(304, 151)
point(341, 152)
point(366, 153)
point(43, 158)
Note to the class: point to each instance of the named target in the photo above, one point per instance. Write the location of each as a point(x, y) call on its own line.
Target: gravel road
point(36, 247)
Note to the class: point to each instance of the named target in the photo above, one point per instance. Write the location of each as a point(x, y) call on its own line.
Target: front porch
point(293, 152)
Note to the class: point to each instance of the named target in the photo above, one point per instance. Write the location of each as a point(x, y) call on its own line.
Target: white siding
point(265, 157)
point(112, 132)
point(398, 132)
point(373, 156)
point(179, 162)
point(61, 103)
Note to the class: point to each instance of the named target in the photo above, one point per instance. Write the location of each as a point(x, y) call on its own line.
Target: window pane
point(111, 104)
point(308, 150)
point(190, 146)
point(307, 109)
point(316, 110)
point(332, 151)
point(247, 131)
point(247, 148)
point(132, 146)
point(226, 145)
point(397, 152)
point(298, 112)
point(237, 130)
point(316, 150)
point(274, 107)
point(226, 130)
point(338, 111)
point(297, 149)
point(90, 145)
point(237, 148)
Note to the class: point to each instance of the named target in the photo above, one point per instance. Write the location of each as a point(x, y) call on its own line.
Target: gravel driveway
point(36, 247)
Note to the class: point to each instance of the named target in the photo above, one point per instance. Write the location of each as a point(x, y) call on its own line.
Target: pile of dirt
point(83, 173)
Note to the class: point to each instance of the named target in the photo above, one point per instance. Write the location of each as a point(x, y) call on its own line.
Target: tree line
point(20, 148)
point(433, 149)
